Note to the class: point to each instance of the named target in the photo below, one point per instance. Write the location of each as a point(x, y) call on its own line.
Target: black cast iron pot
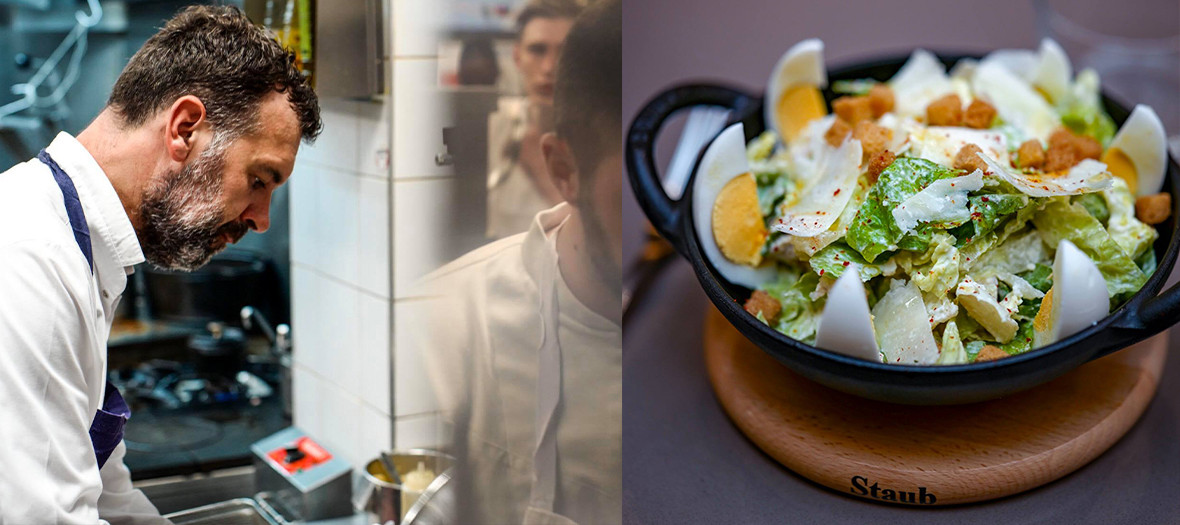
point(1144, 315)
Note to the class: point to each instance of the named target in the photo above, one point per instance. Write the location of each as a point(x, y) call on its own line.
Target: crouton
point(1030, 155)
point(946, 111)
point(979, 115)
point(879, 163)
point(1153, 209)
point(852, 109)
point(1060, 156)
point(880, 100)
point(873, 138)
point(967, 159)
point(1087, 147)
point(990, 353)
point(837, 133)
point(762, 302)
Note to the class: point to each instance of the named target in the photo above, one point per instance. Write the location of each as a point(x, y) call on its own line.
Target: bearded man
point(201, 127)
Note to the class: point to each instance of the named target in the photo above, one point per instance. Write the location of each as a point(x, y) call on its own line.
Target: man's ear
point(562, 167)
point(186, 127)
point(516, 51)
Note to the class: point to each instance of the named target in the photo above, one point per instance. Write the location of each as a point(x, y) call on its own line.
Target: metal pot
point(389, 501)
point(1142, 316)
point(215, 292)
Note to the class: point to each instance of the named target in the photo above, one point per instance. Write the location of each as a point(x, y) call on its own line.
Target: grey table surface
point(683, 460)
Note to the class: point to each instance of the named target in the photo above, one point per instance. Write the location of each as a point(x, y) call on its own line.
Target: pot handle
point(664, 211)
point(1153, 315)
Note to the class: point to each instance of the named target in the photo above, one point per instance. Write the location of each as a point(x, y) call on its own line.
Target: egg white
point(845, 325)
point(1143, 140)
point(724, 160)
point(1079, 297)
point(1053, 71)
point(803, 63)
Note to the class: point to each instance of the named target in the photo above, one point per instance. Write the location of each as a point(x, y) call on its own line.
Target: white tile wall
point(422, 215)
point(420, 431)
point(360, 238)
point(417, 25)
point(413, 394)
point(341, 267)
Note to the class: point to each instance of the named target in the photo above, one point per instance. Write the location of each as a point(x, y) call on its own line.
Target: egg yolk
point(797, 106)
point(737, 221)
point(1044, 318)
point(1120, 166)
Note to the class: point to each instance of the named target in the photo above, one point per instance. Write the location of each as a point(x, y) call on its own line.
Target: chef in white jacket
point(522, 337)
point(201, 127)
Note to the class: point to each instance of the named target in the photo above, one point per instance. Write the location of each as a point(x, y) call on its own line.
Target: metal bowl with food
point(981, 224)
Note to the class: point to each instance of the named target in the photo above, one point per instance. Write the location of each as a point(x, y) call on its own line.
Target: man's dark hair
point(216, 54)
point(587, 98)
point(547, 9)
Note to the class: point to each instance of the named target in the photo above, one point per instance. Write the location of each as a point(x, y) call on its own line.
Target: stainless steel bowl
point(384, 499)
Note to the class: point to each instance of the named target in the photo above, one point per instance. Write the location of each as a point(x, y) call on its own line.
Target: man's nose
point(257, 215)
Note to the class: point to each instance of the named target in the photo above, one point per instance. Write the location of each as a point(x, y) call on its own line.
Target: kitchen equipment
point(941, 455)
point(280, 350)
point(221, 350)
point(215, 292)
point(301, 475)
point(385, 500)
point(241, 511)
point(1141, 317)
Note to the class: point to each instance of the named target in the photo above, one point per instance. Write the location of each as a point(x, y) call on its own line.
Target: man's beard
point(182, 217)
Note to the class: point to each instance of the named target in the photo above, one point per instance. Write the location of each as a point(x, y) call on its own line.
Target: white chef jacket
point(479, 331)
point(55, 317)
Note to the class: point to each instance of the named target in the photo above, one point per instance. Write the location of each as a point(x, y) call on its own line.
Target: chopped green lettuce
point(1022, 341)
point(1095, 204)
point(1132, 235)
point(833, 259)
point(800, 315)
point(1040, 277)
point(1082, 112)
point(860, 86)
point(874, 231)
point(988, 212)
point(1063, 220)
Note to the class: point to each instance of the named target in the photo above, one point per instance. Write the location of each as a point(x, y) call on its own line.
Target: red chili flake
point(1046, 188)
point(821, 272)
point(976, 215)
point(984, 199)
point(837, 192)
point(845, 263)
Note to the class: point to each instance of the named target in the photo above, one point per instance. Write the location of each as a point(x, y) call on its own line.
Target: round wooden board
point(940, 455)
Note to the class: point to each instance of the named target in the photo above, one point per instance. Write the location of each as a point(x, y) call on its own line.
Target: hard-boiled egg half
point(1077, 300)
point(793, 93)
point(725, 211)
point(1138, 153)
point(845, 325)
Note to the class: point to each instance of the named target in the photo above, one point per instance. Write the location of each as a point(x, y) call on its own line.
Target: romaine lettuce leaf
point(1063, 220)
point(987, 212)
point(874, 231)
point(1133, 236)
point(1082, 110)
point(1095, 204)
point(833, 259)
point(1040, 277)
point(800, 315)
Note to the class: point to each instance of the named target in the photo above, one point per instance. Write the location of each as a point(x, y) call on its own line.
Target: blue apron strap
point(73, 206)
point(106, 430)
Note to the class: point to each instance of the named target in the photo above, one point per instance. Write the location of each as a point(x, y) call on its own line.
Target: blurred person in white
point(518, 186)
point(522, 337)
point(201, 127)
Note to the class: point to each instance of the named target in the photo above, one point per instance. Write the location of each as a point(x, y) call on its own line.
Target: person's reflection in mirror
point(518, 186)
point(477, 63)
point(522, 339)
